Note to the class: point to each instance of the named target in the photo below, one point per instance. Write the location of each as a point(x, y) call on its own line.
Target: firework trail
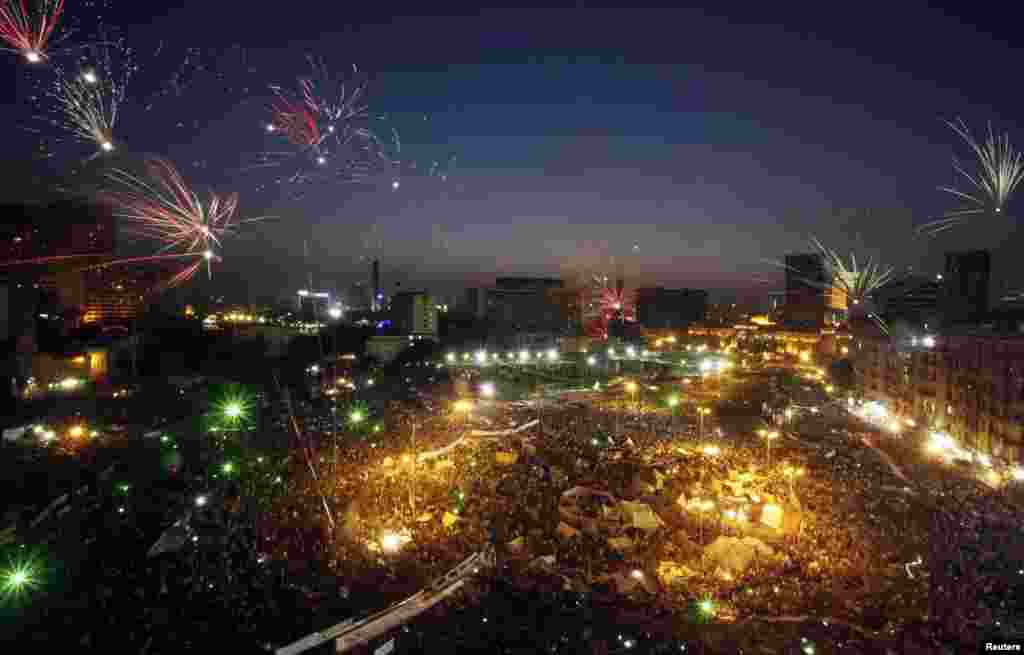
point(28, 27)
point(295, 121)
point(336, 100)
point(997, 171)
point(857, 282)
point(89, 101)
point(165, 210)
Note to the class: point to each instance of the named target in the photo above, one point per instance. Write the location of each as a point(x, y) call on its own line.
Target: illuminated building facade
point(658, 307)
point(971, 385)
point(806, 284)
point(414, 312)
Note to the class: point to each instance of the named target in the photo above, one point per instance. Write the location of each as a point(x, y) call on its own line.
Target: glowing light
point(591, 360)
point(395, 184)
point(463, 406)
point(631, 387)
point(1018, 474)
point(356, 416)
point(200, 501)
point(637, 574)
point(19, 578)
point(228, 467)
point(552, 354)
point(711, 451)
point(450, 357)
point(392, 542)
point(706, 607)
point(487, 389)
point(630, 350)
point(76, 431)
point(673, 401)
point(928, 342)
point(481, 356)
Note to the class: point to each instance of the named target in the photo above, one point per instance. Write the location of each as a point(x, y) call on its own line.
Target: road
point(352, 633)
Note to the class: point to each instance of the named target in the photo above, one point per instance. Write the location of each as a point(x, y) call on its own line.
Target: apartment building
point(970, 384)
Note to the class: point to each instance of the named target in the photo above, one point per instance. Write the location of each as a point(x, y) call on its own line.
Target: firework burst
point(997, 170)
point(89, 101)
point(858, 282)
point(162, 208)
point(329, 128)
point(28, 27)
point(612, 303)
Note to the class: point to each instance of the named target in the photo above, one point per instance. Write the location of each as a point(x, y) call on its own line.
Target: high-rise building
point(414, 312)
point(475, 301)
point(377, 297)
point(806, 283)
point(657, 307)
point(914, 300)
point(966, 286)
point(313, 305)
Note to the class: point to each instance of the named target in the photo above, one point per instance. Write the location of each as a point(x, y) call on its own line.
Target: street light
point(632, 387)
point(233, 410)
point(768, 436)
point(701, 413)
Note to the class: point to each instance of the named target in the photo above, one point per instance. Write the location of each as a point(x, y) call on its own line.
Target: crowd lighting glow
point(487, 389)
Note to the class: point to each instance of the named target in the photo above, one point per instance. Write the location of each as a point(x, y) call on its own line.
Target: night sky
point(713, 143)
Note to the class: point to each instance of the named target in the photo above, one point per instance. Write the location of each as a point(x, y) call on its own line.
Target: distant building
point(313, 305)
point(806, 283)
point(914, 300)
point(527, 283)
point(524, 305)
point(657, 307)
point(966, 286)
point(358, 297)
point(568, 305)
point(414, 312)
point(475, 301)
point(377, 294)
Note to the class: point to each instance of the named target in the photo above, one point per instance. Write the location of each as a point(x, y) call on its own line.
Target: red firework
point(296, 121)
point(164, 209)
point(28, 28)
point(612, 305)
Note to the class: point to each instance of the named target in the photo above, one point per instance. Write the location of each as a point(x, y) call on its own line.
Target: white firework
point(988, 185)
